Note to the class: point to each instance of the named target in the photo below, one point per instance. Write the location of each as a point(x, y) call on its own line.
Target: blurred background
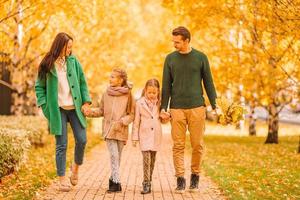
point(253, 47)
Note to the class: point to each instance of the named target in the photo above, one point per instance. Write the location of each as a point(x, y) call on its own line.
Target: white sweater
point(65, 99)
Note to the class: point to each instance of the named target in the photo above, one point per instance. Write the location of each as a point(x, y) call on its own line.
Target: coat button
point(72, 86)
point(69, 74)
point(75, 98)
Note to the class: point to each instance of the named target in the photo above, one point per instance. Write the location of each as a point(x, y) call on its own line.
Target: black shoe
point(194, 182)
point(180, 185)
point(146, 188)
point(114, 187)
point(119, 187)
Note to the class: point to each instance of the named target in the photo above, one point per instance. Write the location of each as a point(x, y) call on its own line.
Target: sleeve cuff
point(213, 106)
point(41, 102)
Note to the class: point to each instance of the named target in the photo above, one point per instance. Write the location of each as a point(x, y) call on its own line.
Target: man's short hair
point(184, 32)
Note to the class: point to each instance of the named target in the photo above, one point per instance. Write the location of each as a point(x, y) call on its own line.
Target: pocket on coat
point(118, 127)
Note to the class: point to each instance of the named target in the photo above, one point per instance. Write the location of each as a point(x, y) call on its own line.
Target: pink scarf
point(117, 91)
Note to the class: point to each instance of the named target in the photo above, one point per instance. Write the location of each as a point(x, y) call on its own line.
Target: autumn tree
point(257, 43)
point(270, 43)
point(21, 28)
point(128, 34)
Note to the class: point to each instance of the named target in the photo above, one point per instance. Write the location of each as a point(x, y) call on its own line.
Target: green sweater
point(182, 78)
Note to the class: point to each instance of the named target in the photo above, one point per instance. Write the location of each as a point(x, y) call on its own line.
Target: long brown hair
point(60, 41)
point(123, 75)
point(154, 83)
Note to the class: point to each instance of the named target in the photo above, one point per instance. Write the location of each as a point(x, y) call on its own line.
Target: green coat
point(47, 94)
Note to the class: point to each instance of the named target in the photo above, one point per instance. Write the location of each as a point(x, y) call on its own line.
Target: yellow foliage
point(244, 47)
point(232, 113)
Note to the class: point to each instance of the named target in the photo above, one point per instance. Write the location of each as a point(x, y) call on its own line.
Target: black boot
point(119, 187)
point(180, 185)
point(194, 182)
point(146, 188)
point(114, 187)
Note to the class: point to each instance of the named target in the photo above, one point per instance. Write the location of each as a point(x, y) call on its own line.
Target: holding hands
point(164, 116)
point(88, 111)
point(85, 109)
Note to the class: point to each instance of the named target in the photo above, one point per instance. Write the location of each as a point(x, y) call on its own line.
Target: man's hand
point(164, 115)
point(215, 112)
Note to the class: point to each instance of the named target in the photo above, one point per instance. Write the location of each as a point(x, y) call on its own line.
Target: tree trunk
point(252, 121)
point(273, 118)
point(5, 86)
point(273, 125)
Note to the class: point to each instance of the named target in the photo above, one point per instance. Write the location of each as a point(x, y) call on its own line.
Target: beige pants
point(194, 121)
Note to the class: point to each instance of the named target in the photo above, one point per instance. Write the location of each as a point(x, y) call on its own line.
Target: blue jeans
point(79, 133)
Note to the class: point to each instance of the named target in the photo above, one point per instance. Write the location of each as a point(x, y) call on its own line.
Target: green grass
point(246, 168)
point(40, 169)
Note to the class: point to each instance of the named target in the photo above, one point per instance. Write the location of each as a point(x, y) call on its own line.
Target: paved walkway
point(95, 172)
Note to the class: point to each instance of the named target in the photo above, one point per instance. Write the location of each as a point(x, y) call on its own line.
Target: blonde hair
point(122, 74)
point(154, 83)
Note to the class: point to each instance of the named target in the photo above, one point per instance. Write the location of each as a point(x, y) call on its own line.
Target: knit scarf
point(117, 91)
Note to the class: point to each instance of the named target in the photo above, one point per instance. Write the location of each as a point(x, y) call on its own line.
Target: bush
point(17, 135)
point(34, 127)
point(14, 146)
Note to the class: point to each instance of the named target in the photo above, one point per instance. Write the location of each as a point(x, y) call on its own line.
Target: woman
point(62, 91)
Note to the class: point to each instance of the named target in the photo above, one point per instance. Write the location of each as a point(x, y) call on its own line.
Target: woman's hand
point(85, 109)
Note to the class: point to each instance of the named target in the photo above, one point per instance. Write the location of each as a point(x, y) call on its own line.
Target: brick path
point(94, 175)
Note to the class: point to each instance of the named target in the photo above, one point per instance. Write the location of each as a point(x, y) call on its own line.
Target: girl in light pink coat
point(147, 129)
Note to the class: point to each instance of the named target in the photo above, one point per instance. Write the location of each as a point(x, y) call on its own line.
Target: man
point(184, 71)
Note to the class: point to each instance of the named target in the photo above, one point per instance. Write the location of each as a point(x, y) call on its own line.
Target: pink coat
point(146, 127)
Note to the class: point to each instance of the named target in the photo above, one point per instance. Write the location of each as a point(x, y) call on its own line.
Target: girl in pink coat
point(147, 129)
